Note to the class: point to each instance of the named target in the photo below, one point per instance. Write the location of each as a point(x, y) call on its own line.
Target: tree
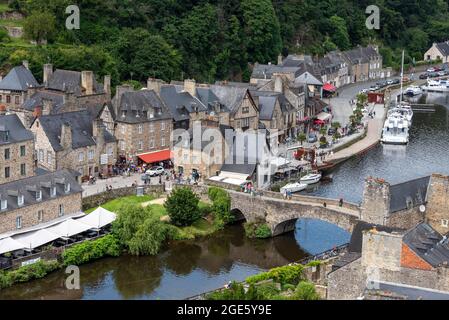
point(306, 291)
point(39, 26)
point(340, 34)
point(182, 207)
point(302, 137)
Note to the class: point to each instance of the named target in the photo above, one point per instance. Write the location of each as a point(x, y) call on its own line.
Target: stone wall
point(14, 32)
point(406, 219)
point(381, 250)
point(29, 214)
point(101, 198)
point(437, 203)
point(376, 201)
point(15, 161)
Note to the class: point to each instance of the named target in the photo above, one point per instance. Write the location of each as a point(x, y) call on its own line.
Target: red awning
point(157, 156)
point(329, 87)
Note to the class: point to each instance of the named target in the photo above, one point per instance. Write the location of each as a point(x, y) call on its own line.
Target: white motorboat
point(404, 112)
point(413, 91)
point(436, 86)
point(293, 187)
point(311, 178)
point(395, 130)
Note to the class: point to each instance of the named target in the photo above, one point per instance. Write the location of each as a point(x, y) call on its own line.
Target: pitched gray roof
point(28, 187)
point(230, 96)
point(444, 47)
point(398, 291)
point(409, 194)
point(141, 106)
point(428, 244)
point(361, 54)
point(180, 103)
point(81, 123)
point(36, 100)
point(267, 104)
point(265, 71)
point(12, 130)
point(68, 80)
point(19, 79)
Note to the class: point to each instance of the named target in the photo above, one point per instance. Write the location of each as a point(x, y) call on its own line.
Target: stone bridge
point(281, 215)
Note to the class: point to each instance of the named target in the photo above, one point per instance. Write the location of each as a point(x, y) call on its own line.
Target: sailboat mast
point(402, 77)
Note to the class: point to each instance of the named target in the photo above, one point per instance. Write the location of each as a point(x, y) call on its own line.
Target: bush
point(259, 230)
point(107, 246)
point(182, 207)
point(36, 270)
point(221, 204)
point(306, 291)
point(284, 275)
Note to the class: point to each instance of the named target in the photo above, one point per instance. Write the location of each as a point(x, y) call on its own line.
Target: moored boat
point(311, 178)
point(436, 86)
point(294, 187)
point(413, 91)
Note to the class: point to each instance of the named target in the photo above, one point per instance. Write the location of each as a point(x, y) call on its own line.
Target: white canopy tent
point(323, 116)
point(9, 245)
point(233, 178)
point(98, 218)
point(69, 228)
point(36, 239)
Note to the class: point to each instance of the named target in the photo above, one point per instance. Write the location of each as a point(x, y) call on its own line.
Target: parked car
point(331, 131)
point(430, 70)
point(374, 88)
point(312, 138)
point(423, 76)
point(433, 74)
point(390, 82)
point(363, 91)
point(396, 81)
point(441, 73)
point(155, 171)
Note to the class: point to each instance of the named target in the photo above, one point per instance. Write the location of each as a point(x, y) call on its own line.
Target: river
point(426, 153)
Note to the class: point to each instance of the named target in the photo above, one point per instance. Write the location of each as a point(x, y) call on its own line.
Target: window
point(40, 155)
point(110, 151)
point(40, 215)
point(7, 154)
point(67, 187)
point(17, 100)
point(38, 195)
point(7, 172)
point(19, 222)
point(61, 210)
point(8, 99)
point(163, 141)
point(140, 128)
point(140, 145)
point(245, 122)
point(91, 154)
point(81, 156)
point(152, 144)
point(123, 129)
point(4, 204)
point(445, 223)
point(49, 157)
point(20, 200)
point(23, 169)
point(162, 126)
point(122, 145)
point(151, 127)
point(53, 192)
point(245, 110)
point(22, 151)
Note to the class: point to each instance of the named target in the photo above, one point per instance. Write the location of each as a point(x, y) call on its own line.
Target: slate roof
point(361, 54)
point(18, 79)
point(137, 106)
point(209, 99)
point(68, 80)
point(180, 103)
point(28, 186)
point(267, 103)
point(265, 71)
point(443, 47)
point(81, 123)
point(397, 291)
point(428, 244)
point(36, 100)
point(409, 194)
point(230, 96)
point(12, 130)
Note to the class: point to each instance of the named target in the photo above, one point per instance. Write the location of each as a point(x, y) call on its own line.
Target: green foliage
point(39, 26)
point(221, 204)
point(306, 291)
point(302, 137)
point(284, 275)
point(182, 207)
point(140, 230)
point(107, 246)
point(257, 230)
point(36, 270)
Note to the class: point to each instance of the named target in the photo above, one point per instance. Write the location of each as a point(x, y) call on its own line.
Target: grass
point(11, 22)
point(4, 7)
point(115, 204)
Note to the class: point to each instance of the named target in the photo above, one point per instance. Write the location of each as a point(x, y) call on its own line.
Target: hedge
point(26, 273)
point(284, 275)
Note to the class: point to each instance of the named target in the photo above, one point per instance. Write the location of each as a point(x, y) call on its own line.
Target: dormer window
point(20, 200)
point(38, 195)
point(3, 204)
point(67, 188)
point(53, 192)
point(123, 114)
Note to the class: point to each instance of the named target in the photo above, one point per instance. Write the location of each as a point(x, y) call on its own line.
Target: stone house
point(15, 87)
point(334, 69)
point(438, 51)
point(365, 63)
point(75, 140)
point(39, 199)
point(16, 149)
point(64, 91)
point(143, 126)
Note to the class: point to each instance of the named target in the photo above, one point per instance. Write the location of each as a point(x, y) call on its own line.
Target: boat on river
point(402, 111)
point(441, 86)
point(311, 178)
point(413, 91)
point(293, 187)
point(395, 130)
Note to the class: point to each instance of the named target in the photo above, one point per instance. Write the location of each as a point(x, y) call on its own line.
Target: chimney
point(107, 84)
point(119, 91)
point(280, 59)
point(47, 106)
point(37, 112)
point(48, 72)
point(190, 87)
point(2, 109)
point(98, 129)
point(66, 136)
point(87, 82)
point(278, 84)
point(155, 85)
point(26, 64)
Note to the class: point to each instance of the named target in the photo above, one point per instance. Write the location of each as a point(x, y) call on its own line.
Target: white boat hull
point(310, 180)
point(293, 187)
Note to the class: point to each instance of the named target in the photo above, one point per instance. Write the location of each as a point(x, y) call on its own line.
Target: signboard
point(31, 261)
point(103, 159)
point(139, 191)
